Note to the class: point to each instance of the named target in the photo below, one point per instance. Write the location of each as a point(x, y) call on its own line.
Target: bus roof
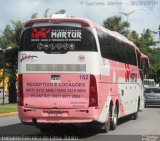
point(85, 23)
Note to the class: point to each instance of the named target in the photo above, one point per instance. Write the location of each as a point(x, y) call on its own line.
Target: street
point(145, 128)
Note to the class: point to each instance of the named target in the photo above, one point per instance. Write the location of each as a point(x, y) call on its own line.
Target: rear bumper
point(40, 116)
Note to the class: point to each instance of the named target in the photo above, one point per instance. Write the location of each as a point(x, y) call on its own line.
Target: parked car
point(152, 96)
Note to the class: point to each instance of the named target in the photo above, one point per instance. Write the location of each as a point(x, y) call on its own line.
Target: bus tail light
point(93, 97)
point(20, 90)
point(83, 24)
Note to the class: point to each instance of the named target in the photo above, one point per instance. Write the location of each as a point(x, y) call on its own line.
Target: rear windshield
point(57, 38)
point(152, 90)
point(147, 82)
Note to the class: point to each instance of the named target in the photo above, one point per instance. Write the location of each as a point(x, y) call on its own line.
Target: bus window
point(114, 49)
point(57, 39)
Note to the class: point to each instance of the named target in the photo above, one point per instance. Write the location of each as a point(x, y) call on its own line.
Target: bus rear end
point(58, 67)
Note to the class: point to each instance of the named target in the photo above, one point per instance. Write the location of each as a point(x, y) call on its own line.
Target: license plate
point(57, 114)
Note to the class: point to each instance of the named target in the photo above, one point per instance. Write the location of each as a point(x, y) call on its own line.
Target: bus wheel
point(106, 126)
point(114, 118)
point(134, 116)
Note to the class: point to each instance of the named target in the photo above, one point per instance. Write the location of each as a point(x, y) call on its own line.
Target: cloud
point(96, 10)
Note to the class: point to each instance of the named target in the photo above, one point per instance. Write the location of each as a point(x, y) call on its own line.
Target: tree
point(34, 15)
point(62, 11)
point(145, 43)
point(115, 23)
point(134, 37)
point(8, 39)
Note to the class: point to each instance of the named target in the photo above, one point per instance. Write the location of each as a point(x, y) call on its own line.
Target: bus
point(74, 71)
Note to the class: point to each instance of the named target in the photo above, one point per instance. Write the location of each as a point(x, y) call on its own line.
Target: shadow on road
point(61, 131)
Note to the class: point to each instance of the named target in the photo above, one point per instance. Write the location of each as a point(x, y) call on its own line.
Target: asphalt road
point(145, 128)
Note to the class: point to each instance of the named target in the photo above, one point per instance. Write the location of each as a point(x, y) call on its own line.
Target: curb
point(8, 114)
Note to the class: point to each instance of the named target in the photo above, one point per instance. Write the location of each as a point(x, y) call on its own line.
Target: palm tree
point(62, 11)
point(134, 37)
point(148, 37)
point(116, 24)
point(8, 39)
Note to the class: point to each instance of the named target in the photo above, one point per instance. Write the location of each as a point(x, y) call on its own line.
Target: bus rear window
point(53, 39)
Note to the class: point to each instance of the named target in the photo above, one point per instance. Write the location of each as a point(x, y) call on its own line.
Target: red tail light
point(93, 98)
point(20, 90)
point(83, 24)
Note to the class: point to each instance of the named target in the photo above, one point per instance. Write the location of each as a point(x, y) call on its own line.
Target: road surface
point(145, 128)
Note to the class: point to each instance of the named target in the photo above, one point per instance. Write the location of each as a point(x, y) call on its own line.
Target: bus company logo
point(66, 34)
point(40, 33)
point(28, 58)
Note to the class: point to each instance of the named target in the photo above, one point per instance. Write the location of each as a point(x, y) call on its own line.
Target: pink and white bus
point(73, 71)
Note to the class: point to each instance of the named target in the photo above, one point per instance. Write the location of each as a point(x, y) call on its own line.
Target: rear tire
point(134, 116)
point(106, 126)
point(114, 118)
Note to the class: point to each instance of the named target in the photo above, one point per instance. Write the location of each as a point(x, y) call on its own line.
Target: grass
point(8, 108)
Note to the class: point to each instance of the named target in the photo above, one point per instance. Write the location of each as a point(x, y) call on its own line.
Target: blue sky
point(146, 15)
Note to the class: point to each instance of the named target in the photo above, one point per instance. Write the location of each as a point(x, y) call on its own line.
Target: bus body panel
point(75, 62)
point(56, 90)
point(110, 88)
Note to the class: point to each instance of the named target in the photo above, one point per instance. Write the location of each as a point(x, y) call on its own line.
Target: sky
point(146, 12)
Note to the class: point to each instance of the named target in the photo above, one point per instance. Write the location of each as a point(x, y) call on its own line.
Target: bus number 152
point(84, 77)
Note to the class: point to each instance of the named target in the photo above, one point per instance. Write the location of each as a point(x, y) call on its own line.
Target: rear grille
point(56, 67)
